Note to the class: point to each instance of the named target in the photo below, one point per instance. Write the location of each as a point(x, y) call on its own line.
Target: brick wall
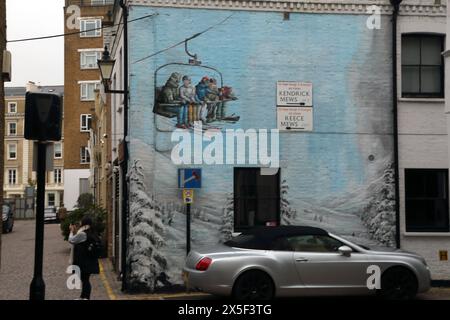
point(73, 106)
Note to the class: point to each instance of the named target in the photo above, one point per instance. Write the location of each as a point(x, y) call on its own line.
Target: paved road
point(16, 271)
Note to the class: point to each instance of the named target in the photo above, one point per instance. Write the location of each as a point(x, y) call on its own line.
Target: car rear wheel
point(398, 283)
point(254, 285)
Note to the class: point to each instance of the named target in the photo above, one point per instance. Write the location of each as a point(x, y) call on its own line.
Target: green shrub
point(97, 214)
point(85, 201)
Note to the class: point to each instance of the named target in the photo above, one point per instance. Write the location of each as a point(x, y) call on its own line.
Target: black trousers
point(86, 287)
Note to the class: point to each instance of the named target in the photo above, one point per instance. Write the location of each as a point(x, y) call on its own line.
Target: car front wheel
point(254, 285)
point(398, 283)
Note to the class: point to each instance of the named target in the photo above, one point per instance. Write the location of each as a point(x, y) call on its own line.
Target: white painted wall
point(72, 185)
point(423, 143)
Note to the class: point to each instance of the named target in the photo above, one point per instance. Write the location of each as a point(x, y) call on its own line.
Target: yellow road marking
point(108, 288)
point(165, 296)
point(112, 295)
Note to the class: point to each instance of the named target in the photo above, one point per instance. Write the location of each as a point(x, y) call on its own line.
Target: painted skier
point(189, 101)
point(202, 90)
point(212, 98)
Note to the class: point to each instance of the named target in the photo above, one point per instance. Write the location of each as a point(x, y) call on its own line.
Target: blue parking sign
point(190, 178)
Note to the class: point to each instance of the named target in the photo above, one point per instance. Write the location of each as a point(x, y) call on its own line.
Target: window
point(426, 207)
point(12, 151)
point(422, 66)
point(85, 122)
point(256, 198)
point(12, 128)
point(311, 243)
point(84, 155)
point(84, 186)
point(51, 200)
point(87, 90)
point(57, 150)
point(57, 176)
point(12, 107)
point(90, 28)
point(88, 59)
point(12, 176)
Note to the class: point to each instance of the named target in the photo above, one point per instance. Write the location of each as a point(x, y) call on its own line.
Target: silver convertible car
point(289, 261)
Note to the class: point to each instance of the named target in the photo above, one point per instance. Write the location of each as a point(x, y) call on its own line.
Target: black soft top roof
point(263, 237)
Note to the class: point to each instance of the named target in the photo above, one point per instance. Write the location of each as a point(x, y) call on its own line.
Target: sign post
point(189, 179)
point(37, 287)
point(43, 119)
point(188, 198)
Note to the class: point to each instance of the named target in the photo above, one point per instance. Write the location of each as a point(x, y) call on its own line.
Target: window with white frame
point(85, 122)
point(12, 151)
point(51, 199)
point(84, 155)
point(12, 128)
point(12, 107)
point(12, 176)
point(87, 90)
point(88, 59)
point(423, 65)
point(57, 150)
point(90, 28)
point(57, 176)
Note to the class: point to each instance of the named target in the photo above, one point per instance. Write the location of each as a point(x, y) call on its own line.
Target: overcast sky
point(41, 61)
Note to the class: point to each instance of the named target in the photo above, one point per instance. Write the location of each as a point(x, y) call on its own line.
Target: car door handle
point(301, 259)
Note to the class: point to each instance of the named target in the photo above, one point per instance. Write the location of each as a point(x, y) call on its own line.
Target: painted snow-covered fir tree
point(147, 263)
point(288, 214)
point(227, 227)
point(379, 216)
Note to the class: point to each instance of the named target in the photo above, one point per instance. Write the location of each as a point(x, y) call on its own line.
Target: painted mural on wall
point(339, 177)
point(179, 99)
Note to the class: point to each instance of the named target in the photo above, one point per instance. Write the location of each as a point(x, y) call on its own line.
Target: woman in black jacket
point(85, 255)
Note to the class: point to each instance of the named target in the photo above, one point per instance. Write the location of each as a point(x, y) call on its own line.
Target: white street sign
point(295, 118)
point(293, 93)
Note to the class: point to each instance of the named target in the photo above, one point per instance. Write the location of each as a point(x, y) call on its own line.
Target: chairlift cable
point(78, 32)
point(185, 40)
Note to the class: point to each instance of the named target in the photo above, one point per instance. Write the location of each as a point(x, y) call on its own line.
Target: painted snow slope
point(339, 176)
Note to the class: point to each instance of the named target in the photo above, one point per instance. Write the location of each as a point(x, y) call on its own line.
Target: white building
point(423, 133)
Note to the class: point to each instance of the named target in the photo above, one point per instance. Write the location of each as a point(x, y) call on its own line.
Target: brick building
point(81, 78)
point(2, 102)
point(101, 165)
point(18, 157)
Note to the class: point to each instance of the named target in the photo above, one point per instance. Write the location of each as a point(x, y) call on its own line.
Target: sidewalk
point(16, 271)
point(113, 288)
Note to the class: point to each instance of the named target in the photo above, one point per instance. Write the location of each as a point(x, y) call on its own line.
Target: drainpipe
point(396, 6)
point(125, 194)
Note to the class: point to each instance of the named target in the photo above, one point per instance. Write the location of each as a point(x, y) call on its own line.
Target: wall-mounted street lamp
point(106, 66)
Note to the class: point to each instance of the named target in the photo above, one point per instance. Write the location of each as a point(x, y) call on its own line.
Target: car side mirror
point(345, 251)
